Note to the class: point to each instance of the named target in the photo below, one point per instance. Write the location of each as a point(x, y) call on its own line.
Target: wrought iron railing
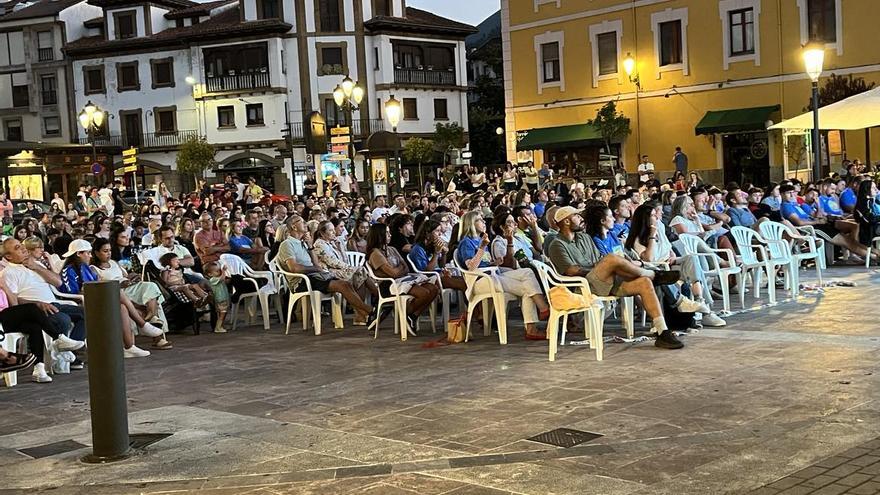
point(237, 82)
point(439, 77)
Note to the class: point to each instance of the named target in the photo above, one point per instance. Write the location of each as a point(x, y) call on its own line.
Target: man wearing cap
point(574, 253)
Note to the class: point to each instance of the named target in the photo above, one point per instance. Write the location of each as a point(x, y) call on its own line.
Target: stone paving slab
point(778, 391)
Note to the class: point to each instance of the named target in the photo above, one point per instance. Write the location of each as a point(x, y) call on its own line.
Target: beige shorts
point(603, 289)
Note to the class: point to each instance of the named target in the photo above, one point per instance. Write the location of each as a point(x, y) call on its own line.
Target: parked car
point(20, 208)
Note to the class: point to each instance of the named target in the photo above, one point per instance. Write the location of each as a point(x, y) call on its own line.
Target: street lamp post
point(348, 96)
point(91, 117)
point(629, 66)
point(393, 111)
point(814, 58)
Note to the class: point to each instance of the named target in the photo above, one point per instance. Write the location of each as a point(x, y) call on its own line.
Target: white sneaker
point(39, 375)
point(219, 330)
point(688, 305)
point(135, 352)
point(65, 343)
point(149, 330)
point(713, 320)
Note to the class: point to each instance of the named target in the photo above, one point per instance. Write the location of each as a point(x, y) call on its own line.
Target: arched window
point(249, 162)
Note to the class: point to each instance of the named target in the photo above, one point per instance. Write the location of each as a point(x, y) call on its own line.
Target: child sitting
point(217, 278)
point(172, 275)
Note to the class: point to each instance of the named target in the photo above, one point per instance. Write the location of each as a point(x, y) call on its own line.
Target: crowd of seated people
point(621, 239)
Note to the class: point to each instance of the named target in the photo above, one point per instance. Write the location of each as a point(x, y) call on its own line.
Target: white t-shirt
point(644, 168)
point(239, 191)
point(27, 284)
point(691, 226)
point(344, 182)
point(662, 247)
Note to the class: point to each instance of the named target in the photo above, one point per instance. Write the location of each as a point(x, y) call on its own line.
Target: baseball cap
point(77, 246)
point(565, 212)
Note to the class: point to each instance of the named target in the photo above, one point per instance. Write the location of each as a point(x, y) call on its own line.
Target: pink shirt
point(204, 239)
point(4, 301)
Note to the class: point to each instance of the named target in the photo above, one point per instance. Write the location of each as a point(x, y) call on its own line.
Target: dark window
point(822, 20)
point(550, 61)
point(408, 57)
point(607, 53)
point(196, 20)
point(269, 9)
point(93, 80)
point(178, 23)
point(382, 7)
point(49, 90)
point(742, 32)
point(52, 126)
point(334, 114)
point(226, 116)
point(163, 73)
point(330, 15)
point(376, 58)
point(127, 76)
point(166, 121)
point(125, 25)
point(254, 112)
point(20, 97)
point(13, 130)
point(410, 109)
point(670, 43)
point(237, 60)
point(440, 110)
point(332, 61)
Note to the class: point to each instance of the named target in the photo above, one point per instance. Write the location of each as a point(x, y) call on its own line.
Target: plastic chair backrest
point(745, 238)
point(356, 258)
point(233, 264)
point(692, 244)
point(544, 274)
point(775, 231)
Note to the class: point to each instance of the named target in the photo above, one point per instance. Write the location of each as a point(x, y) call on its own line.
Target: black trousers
point(31, 320)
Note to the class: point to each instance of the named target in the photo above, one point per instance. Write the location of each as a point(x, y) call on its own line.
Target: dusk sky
point(470, 11)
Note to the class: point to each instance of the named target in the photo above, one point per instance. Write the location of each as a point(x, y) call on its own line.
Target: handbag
point(456, 329)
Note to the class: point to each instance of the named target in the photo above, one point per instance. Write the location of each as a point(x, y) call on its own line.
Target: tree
point(448, 137)
point(611, 124)
point(195, 156)
point(420, 151)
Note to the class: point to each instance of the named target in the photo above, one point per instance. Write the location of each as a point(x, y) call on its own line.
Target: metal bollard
point(107, 397)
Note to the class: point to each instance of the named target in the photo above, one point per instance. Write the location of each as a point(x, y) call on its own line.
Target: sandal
point(15, 362)
point(162, 345)
point(536, 336)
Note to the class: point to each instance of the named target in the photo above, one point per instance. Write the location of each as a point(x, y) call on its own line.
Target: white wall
point(273, 118)
point(158, 21)
point(73, 18)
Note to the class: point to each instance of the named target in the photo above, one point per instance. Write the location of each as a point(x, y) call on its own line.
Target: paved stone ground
point(783, 400)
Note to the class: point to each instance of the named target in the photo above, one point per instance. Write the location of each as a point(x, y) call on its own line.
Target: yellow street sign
point(130, 169)
point(340, 131)
point(340, 139)
point(130, 152)
point(130, 160)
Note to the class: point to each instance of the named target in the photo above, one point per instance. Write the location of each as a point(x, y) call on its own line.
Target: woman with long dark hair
point(867, 212)
point(388, 262)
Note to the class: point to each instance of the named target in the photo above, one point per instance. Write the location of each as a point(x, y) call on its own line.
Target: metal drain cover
point(144, 440)
point(51, 449)
point(564, 437)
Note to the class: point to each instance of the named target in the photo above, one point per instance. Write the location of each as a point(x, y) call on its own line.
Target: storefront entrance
point(746, 158)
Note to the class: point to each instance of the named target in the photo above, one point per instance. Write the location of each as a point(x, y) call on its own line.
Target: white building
point(236, 71)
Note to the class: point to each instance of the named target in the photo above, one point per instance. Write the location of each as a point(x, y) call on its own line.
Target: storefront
point(745, 143)
point(264, 170)
point(571, 150)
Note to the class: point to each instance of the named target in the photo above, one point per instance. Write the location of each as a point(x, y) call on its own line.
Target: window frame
point(804, 10)
point(445, 107)
point(604, 28)
point(319, 53)
point(121, 14)
point(20, 126)
point(121, 66)
point(17, 92)
point(45, 128)
point(247, 115)
point(539, 41)
point(725, 7)
point(220, 110)
point(279, 4)
point(87, 89)
point(388, 3)
point(657, 20)
point(154, 63)
point(319, 27)
point(157, 121)
point(742, 27)
point(43, 90)
point(415, 103)
point(553, 62)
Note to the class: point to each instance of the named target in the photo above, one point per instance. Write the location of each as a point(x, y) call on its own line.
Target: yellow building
point(708, 77)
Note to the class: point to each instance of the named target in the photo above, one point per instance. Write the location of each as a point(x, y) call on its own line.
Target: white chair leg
point(446, 297)
point(336, 311)
point(725, 292)
point(316, 311)
point(626, 316)
point(868, 257)
point(819, 273)
point(552, 331)
point(401, 318)
point(290, 306)
point(488, 304)
point(501, 318)
point(10, 344)
point(235, 315)
point(432, 312)
point(564, 325)
point(306, 305)
point(264, 307)
point(598, 335)
point(740, 283)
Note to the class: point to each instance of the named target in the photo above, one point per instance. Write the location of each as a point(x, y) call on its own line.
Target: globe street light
point(814, 58)
point(90, 118)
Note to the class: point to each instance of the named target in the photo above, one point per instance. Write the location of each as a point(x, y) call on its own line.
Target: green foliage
point(448, 137)
point(195, 156)
point(838, 88)
point(418, 150)
point(611, 124)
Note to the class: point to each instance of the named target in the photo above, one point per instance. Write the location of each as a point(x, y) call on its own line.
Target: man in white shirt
point(646, 169)
point(344, 180)
point(239, 189)
point(30, 282)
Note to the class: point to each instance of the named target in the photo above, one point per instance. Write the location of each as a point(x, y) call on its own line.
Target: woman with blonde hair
point(472, 254)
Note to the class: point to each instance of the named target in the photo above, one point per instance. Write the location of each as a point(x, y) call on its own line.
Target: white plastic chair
point(445, 294)
point(592, 313)
point(875, 244)
point(627, 308)
point(824, 247)
point(696, 246)
point(398, 302)
point(310, 299)
point(750, 244)
point(495, 295)
point(355, 258)
point(778, 232)
point(235, 265)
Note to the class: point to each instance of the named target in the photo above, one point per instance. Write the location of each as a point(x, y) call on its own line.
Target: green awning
point(565, 136)
point(735, 120)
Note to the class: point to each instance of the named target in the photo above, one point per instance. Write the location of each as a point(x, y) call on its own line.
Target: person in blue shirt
point(828, 202)
point(429, 254)
point(599, 222)
point(738, 209)
point(621, 209)
point(800, 217)
point(848, 195)
point(244, 247)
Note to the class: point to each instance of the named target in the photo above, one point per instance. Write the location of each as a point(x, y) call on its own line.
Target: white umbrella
point(860, 111)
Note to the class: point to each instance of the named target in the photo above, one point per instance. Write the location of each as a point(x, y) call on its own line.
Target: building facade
point(707, 76)
point(239, 72)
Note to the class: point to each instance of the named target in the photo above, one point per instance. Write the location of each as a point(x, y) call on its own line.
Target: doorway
point(746, 158)
point(131, 127)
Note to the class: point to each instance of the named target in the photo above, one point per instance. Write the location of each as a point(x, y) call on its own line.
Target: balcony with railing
point(46, 54)
point(146, 140)
point(432, 77)
point(237, 82)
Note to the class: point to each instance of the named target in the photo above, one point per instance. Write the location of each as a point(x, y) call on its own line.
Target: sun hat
point(77, 246)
